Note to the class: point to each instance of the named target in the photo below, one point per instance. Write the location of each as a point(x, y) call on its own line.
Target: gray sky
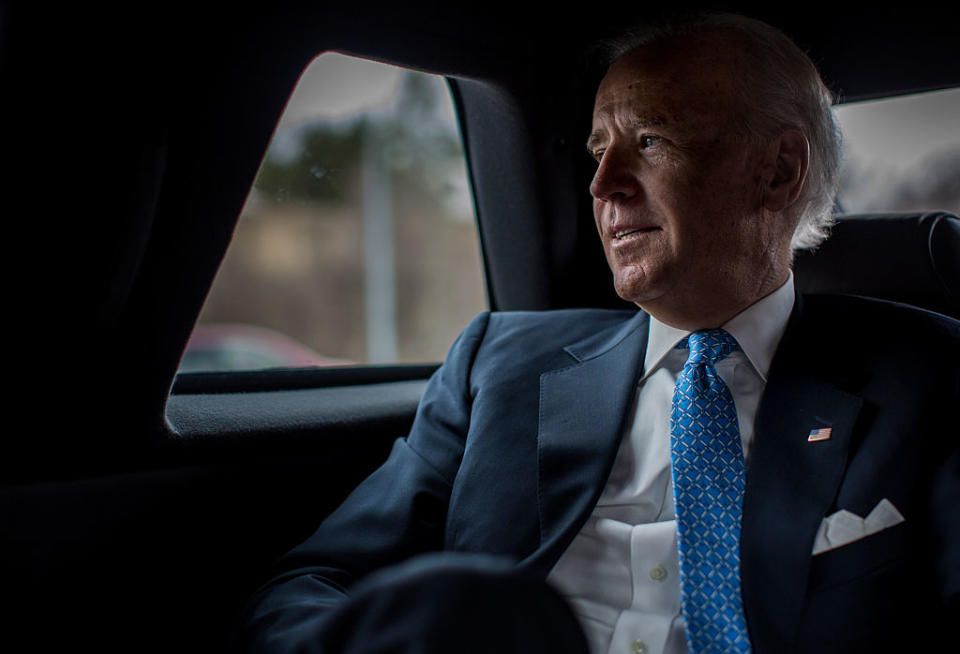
point(898, 132)
point(336, 86)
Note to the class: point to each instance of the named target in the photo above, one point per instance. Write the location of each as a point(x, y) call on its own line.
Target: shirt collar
point(758, 330)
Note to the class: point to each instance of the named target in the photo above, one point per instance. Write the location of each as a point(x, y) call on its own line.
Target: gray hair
point(783, 89)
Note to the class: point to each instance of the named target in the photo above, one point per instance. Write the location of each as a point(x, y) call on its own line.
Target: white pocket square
point(844, 527)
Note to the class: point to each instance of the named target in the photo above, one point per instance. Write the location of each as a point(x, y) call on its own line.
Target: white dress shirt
point(621, 572)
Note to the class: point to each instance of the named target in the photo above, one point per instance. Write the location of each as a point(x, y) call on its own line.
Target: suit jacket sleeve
point(945, 508)
point(397, 512)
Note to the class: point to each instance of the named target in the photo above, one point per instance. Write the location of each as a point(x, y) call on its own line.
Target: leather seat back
point(911, 258)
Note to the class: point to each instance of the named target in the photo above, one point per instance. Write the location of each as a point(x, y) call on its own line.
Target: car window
point(902, 153)
point(358, 241)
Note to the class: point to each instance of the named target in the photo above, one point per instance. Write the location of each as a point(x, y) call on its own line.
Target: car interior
point(140, 507)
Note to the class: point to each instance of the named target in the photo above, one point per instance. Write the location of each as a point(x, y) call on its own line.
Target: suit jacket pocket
point(869, 555)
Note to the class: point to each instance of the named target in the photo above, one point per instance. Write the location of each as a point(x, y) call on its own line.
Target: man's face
point(677, 193)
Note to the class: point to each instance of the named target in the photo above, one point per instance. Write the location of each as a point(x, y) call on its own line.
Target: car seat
point(912, 258)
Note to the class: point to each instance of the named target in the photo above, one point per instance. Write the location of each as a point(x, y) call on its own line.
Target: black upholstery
point(910, 258)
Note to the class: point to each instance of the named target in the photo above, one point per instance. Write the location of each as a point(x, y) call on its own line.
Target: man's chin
point(635, 292)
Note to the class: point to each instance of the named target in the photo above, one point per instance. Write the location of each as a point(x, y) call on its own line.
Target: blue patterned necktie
point(708, 483)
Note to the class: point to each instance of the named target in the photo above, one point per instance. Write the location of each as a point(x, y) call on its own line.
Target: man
point(733, 468)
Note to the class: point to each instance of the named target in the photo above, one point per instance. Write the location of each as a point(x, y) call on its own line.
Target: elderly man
point(733, 468)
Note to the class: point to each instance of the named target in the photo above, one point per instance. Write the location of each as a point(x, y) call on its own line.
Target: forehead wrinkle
point(643, 122)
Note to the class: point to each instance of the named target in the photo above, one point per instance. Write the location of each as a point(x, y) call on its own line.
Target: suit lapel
point(582, 412)
point(791, 482)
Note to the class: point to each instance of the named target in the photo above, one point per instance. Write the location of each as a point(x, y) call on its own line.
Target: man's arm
point(397, 512)
point(945, 506)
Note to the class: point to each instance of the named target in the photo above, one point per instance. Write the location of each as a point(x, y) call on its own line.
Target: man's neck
point(711, 310)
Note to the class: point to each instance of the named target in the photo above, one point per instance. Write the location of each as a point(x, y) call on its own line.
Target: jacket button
point(638, 647)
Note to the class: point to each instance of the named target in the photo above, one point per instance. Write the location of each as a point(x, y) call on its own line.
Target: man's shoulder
point(561, 319)
point(540, 339)
point(869, 316)
point(556, 328)
point(849, 328)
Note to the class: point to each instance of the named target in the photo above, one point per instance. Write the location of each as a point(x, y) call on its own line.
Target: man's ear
point(788, 158)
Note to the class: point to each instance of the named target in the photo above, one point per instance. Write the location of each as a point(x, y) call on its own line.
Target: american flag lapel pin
point(819, 434)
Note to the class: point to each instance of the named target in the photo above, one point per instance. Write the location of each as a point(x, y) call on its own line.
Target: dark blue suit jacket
point(517, 431)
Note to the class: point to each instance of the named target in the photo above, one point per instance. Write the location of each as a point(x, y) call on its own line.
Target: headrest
point(910, 258)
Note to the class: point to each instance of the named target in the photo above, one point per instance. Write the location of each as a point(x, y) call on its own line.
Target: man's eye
point(648, 140)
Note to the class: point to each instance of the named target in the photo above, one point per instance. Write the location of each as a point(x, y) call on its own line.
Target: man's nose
point(613, 179)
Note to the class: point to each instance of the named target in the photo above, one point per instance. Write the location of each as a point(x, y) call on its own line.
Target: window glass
point(901, 154)
point(358, 242)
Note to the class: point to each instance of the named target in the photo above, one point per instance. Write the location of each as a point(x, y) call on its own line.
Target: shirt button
point(658, 573)
point(638, 647)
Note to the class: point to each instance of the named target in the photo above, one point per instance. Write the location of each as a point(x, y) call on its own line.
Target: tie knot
point(710, 345)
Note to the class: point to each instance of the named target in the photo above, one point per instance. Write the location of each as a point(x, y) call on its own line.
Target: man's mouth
point(622, 234)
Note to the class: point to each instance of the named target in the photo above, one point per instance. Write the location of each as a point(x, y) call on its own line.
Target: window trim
point(281, 379)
